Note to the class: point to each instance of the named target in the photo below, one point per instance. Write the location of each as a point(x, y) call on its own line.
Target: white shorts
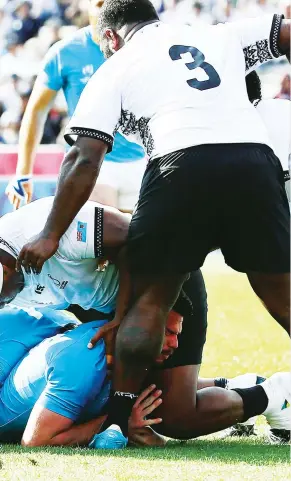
point(125, 178)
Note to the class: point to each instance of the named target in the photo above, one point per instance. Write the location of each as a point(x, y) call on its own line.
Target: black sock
point(220, 382)
point(255, 401)
point(119, 409)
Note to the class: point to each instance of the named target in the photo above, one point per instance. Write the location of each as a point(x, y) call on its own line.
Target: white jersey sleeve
point(98, 109)
point(259, 38)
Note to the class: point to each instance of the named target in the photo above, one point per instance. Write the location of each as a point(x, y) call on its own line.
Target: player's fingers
point(151, 407)
point(151, 422)
point(27, 265)
point(101, 333)
point(24, 261)
point(144, 395)
point(150, 399)
point(37, 267)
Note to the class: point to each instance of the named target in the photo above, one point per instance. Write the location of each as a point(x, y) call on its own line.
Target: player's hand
point(34, 254)
point(145, 404)
point(108, 333)
point(20, 190)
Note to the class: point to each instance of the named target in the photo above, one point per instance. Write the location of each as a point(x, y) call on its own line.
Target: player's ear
point(114, 40)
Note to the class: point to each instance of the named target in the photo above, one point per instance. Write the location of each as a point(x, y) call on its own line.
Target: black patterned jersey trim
point(275, 34)
point(129, 124)
point(98, 232)
point(266, 49)
point(91, 133)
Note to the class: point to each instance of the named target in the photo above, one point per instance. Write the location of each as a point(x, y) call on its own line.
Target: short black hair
point(183, 305)
point(254, 87)
point(117, 13)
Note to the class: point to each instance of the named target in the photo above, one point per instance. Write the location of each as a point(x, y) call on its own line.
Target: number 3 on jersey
point(176, 52)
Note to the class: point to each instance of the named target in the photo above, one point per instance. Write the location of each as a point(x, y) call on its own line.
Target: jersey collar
point(139, 28)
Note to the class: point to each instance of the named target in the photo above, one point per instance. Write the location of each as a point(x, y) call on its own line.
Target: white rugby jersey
point(173, 87)
point(276, 115)
point(70, 276)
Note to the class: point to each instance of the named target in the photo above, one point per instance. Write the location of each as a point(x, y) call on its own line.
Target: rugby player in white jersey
point(212, 180)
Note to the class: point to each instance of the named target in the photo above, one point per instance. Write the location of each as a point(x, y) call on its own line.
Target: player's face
point(173, 329)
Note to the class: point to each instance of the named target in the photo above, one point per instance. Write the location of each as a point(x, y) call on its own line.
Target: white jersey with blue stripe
point(70, 276)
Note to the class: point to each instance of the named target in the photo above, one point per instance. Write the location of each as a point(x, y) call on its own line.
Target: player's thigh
point(179, 387)
point(156, 294)
point(255, 226)
point(169, 231)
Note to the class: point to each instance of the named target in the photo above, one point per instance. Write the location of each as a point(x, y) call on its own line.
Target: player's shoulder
point(63, 350)
point(80, 38)
point(79, 338)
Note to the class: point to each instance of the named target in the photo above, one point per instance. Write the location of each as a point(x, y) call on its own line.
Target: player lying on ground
point(57, 392)
point(179, 116)
point(50, 399)
point(20, 331)
point(68, 66)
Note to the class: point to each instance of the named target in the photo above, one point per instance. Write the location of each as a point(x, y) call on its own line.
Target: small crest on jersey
point(82, 232)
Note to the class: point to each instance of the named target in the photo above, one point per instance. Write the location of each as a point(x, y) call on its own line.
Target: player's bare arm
point(284, 38)
point(77, 178)
point(47, 428)
point(31, 132)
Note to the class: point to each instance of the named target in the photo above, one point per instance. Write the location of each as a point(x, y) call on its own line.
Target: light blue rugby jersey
point(62, 375)
point(21, 330)
point(68, 65)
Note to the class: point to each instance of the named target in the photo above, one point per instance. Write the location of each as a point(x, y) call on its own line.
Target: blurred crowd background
point(29, 28)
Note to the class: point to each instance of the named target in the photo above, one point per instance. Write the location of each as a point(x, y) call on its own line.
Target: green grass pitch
point(242, 338)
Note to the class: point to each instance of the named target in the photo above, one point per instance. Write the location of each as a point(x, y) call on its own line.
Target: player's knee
point(135, 344)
